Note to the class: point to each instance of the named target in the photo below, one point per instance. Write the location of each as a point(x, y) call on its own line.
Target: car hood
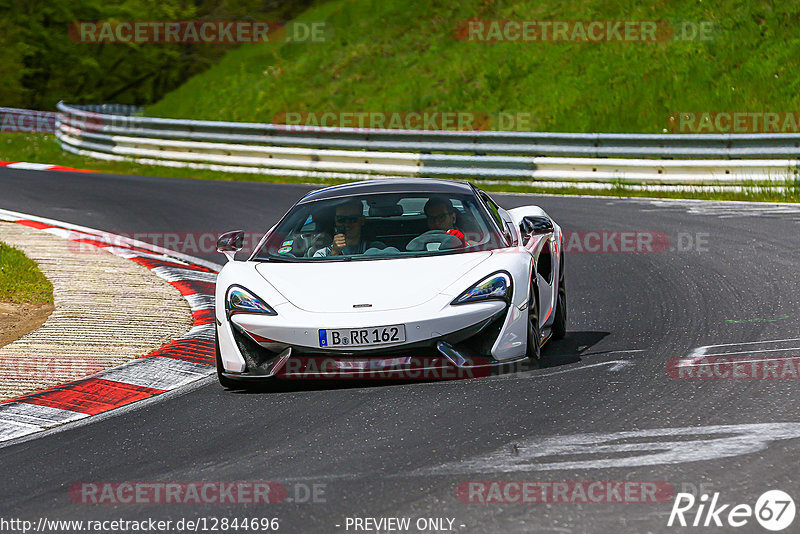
point(339, 286)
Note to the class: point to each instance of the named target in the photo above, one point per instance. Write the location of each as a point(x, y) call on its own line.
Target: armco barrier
point(354, 153)
point(25, 121)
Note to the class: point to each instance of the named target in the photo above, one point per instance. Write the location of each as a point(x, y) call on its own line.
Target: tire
point(223, 380)
point(560, 319)
point(534, 351)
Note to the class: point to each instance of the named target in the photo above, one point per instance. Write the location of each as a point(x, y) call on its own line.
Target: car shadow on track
point(556, 353)
point(570, 349)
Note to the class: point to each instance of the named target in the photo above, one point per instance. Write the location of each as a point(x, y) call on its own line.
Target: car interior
point(399, 225)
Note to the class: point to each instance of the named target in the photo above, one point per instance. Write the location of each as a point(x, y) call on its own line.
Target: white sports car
point(387, 278)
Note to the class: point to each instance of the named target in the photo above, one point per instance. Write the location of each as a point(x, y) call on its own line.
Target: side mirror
point(532, 225)
point(230, 243)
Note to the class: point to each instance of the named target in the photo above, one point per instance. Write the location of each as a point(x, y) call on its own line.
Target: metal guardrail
point(25, 120)
point(353, 153)
point(126, 110)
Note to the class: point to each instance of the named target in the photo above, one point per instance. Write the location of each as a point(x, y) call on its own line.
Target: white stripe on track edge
point(158, 372)
point(176, 274)
point(19, 420)
point(200, 302)
point(89, 419)
point(12, 216)
point(30, 166)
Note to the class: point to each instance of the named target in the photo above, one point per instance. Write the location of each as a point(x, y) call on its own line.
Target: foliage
point(43, 64)
point(401, 55)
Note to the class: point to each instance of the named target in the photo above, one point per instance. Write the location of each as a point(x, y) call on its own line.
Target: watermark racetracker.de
point(198, 31)
point(205, 492)
point(583, 31)
point(202, 523)
point(367, 121)
point(27, 121)
point(13, 368)
point(563, 492)
point(739, 368)
point(733, 122)
point(575, 241)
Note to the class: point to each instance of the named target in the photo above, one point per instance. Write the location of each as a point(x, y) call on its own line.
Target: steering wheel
point(434, 240)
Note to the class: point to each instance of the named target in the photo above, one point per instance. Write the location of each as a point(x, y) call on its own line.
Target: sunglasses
point(437, 218)
point(345, 219)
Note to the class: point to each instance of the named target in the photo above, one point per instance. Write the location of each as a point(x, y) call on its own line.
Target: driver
point(442, 216)
point(349, 221)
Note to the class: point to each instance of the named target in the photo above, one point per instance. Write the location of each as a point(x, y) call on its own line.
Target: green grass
point(389, 56)
point(42, 148)
point(400, 55)
point(21, 281)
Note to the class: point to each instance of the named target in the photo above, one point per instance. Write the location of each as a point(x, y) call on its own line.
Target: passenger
point(347, 239)
point(442, 216)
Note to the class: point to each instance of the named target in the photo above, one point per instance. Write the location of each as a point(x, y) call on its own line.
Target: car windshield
point(379, 226)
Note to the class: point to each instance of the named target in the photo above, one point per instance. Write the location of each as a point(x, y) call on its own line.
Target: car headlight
point(240, 300)
point(494, 287)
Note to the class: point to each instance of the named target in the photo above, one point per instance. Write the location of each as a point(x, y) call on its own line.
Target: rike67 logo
point(774, 510)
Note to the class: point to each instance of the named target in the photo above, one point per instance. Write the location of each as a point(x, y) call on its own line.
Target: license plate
point(362, 337)
point(372, 365)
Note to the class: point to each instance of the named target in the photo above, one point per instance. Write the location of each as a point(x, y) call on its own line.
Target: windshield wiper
point(280, 259)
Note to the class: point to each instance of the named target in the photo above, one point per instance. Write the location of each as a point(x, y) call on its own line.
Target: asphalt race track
point(728, 276)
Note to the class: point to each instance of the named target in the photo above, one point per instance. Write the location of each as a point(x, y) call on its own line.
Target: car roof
point(391, 185)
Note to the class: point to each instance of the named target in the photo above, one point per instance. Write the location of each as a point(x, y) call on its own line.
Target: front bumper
point(462, 353)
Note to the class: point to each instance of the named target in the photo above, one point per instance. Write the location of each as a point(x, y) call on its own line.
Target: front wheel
point(560, 318)
point(224, 381)
point(534, 331)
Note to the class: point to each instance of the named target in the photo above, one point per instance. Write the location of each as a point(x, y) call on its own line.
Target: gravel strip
point(108, 310)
